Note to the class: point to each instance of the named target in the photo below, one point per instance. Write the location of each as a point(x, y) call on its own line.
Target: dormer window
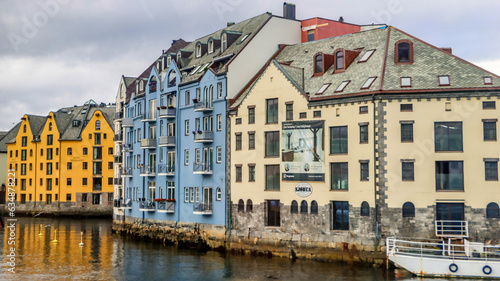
point(224, 42)
point(339, 60)
point(488, 80)
point(210, 46)
point(404, 52)
point(141, 85)
point(178, 57)
point(171, 78)
point(198, 50)
point(318, 63)
point(169, 60)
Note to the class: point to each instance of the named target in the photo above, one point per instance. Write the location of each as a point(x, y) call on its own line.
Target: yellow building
point(65, 159)
point(356, 137)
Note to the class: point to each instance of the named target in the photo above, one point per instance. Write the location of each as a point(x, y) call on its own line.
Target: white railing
point(451, 228)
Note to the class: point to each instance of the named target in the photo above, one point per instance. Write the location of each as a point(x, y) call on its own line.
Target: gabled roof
point(36, 124)
point(84, 114)
point(8, 137)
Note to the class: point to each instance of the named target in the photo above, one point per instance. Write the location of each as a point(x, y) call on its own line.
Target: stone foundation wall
point(59, 209)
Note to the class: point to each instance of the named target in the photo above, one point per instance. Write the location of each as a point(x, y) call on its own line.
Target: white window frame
point(219, 90)
point(197, 155)
point(219, 154)
point(170, 190)
point(219, 194)
point(197, 194)
point(191, 194)
point(219, 122)
point(186, 194)
point(186, 124)
point(186, 157)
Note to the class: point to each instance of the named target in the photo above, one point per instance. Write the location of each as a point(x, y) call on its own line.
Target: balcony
point(147, 206)
point(202, 208)
point(127, 172)
point(166, 206)
point(148, 171)
point(452, 229)
point(127, 122)
point(166, 170)
point(166, 141)
point(203, 136)
point(97, 174)
point(203, 106)
point(127, 147)
point(118, 115)
point(122, 204)
point(118, 158)
point(167, 112)
point(97, 187)
point(118, 181)
point(202, 168)
point(118, 137)
point(148, 143)
point(151, 117)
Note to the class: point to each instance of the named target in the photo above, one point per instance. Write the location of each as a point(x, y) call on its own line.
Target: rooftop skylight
point(323, 89)
point(342, 86)
point(368, 83)
point(366, 56)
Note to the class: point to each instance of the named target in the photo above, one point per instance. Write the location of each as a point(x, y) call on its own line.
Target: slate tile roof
point(8, 137)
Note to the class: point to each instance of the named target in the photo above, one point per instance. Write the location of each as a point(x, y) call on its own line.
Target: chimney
point(341, 19)
point(173, 42)
point(289, 11)
point(447, 50)
point(230, 23)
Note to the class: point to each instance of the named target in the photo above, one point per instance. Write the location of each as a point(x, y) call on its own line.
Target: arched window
point(97, 125)
point(171, 78)
point(365, 209)
point(50, 126)
point(295, 207)
point(24, 128)
point(219, 194)
point(314, 207)
point(152, 84)
point(303, 207)
point(198, 50)
point(178, 58)
point(241, 206)
point(339, 60)
point(318, 63)
point(404, 52)
point(210, 46)
point(249, 205)
point(224, 42)
point(492, 210)
point(408, 210)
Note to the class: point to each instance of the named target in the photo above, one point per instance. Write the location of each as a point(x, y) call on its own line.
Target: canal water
point(49, 249)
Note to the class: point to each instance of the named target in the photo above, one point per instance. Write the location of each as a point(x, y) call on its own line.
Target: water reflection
point(107, 256)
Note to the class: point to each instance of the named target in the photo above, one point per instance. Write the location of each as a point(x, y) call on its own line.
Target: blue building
point(175, 160)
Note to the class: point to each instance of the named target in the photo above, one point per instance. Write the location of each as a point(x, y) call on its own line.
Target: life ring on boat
point(487, 269)
point(453, 267)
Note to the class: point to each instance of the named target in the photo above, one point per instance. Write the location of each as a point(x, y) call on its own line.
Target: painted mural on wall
point(302, 151)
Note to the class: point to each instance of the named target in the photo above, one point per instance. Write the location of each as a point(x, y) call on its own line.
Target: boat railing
point(443, 249)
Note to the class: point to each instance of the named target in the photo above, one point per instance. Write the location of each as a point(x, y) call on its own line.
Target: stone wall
point(59, 209)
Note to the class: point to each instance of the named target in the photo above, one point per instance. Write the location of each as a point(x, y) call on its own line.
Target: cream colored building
point(409, 143)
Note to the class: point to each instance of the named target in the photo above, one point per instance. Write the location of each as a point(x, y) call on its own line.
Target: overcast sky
point(57, 53)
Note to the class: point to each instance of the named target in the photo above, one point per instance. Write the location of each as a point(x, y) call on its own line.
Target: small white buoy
point(55, 236)
point(81, 239)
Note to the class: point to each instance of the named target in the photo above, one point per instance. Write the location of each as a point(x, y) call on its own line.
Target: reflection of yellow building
point(65, 157)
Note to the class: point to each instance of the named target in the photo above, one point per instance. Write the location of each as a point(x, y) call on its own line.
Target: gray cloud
point(57, 53)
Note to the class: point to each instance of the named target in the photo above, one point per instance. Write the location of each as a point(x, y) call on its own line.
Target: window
point(186, 125)
point(272, 144)
point(219, 154)
point(70, 151)
point(317, 113)
point(303, 207)
point(251, 115)
point(219, 122)
point(489, 130)
point(365, 209)
point(339, 215)
point(407, 171)
point(294, 208)
point(366, 56)
point(314, 207)
point(223, 42)
point(487, 80)
point(191, 194)
point(85, 151)
point(49, 168)
point(492, 211)
point(97, 125)
point(406, 107)
point(303, 115)
point(110, 151)
point(197, 155)
point(444, 80)
point(219, 90)
point(218, 194)
point(323, 88)
point(404, 52)
point(363, 133)
point(273, 213)
point(69, 166)
point(68, 196)
point(24, 142)
point(241, 205)
point(364, 170)
point(339, 176)
point(68, 181)
point(272, 111)
point(289, 111)
point(23, 155)
point(408, 210)
point(251, 140)
point(84, 181)
point(210, 46)
point(448, 136)
point(187, 97)
point(363, 109)
point(450, 211)
point(251, 172)
point(342, 86)
point(238, 173)
point(97, 138)
point(249, 205)
point(23, 169)
point(84, 165)
point(491, 170)
point(197, 194)
point(186, 194)
point(339, 60)
point(406, 132)
point(318, 63)
point(368, 83)
point(489, 105)
point(310, 35)
point(49, 138)
point(449, 175)
point(405, 82)
point(198, 50)
point(110, 165)
point(273, 177)
point(238, 141)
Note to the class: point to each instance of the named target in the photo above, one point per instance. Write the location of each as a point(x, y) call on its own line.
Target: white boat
point(452, 256)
